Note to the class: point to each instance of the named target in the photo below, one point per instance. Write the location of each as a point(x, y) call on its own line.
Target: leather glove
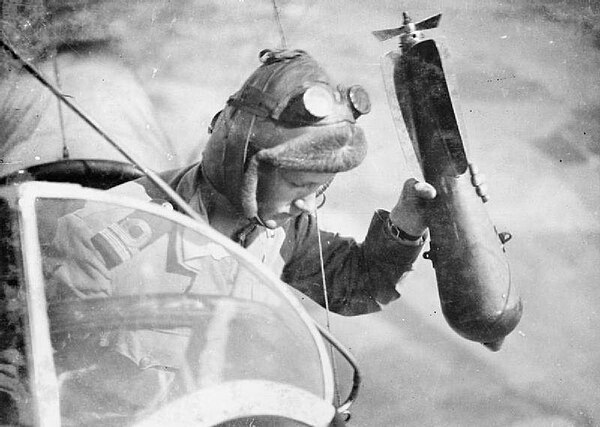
point(410, 212)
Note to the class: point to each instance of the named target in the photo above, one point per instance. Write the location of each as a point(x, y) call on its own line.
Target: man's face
point(282, 194)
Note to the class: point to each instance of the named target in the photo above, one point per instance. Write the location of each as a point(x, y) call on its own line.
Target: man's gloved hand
point(409, 214)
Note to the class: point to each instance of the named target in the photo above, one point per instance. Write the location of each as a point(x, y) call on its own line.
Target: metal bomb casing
point(477, 296)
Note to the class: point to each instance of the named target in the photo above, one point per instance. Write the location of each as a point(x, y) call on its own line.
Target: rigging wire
point(279, 26)
point(327, 310)
point(61, 119)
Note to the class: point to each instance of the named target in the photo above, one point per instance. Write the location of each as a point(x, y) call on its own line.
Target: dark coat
point(359, 276)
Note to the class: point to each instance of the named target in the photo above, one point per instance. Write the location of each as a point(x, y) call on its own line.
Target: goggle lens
point(359, 99)
point(318, 101)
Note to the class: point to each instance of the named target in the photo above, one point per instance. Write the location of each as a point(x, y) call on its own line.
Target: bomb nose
point(494, 345)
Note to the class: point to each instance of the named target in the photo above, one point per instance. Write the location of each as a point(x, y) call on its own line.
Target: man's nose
point(306, 204)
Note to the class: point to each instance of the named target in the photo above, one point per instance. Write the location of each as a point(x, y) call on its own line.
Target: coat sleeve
point(360, 277)
point(78, 265)
point(81, 262)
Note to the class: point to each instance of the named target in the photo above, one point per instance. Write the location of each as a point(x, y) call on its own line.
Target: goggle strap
point(253, 100)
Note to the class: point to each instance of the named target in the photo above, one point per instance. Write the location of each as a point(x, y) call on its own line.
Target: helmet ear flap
point(248, 190)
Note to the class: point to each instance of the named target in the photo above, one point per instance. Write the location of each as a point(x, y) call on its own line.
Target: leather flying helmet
point(288, 114)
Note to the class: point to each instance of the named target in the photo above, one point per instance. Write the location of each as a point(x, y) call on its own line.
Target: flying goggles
point(310, 104)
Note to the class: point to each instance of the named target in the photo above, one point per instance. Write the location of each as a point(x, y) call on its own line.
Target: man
point(273, 149)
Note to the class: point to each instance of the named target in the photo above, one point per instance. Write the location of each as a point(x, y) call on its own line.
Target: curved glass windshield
point(145, 311)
